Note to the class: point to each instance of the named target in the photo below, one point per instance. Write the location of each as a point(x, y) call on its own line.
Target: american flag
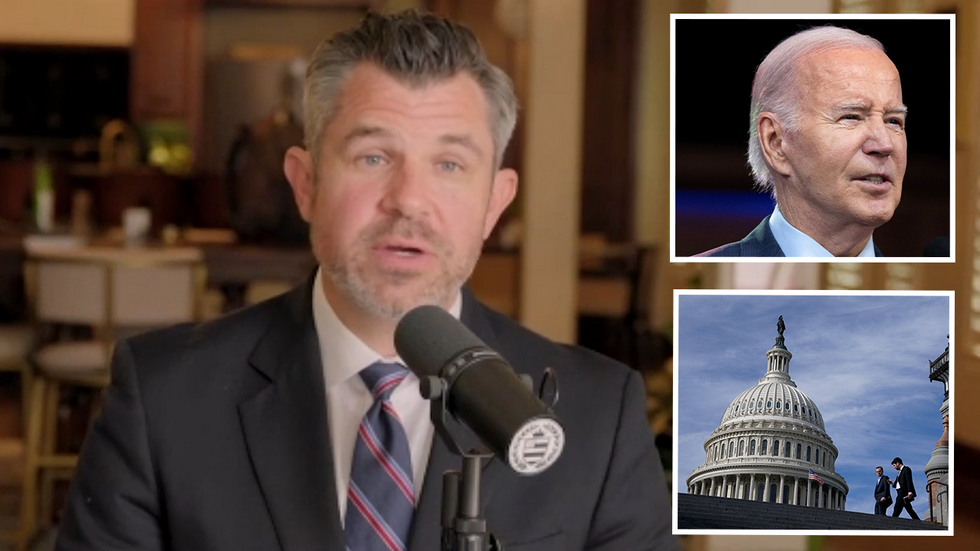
point(813, 476)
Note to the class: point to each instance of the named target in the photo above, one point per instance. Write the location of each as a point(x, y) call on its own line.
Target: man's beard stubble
point(383, 293)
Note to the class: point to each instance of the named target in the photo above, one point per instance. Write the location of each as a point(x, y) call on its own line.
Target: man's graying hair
point(775, 88)
point(415, 47)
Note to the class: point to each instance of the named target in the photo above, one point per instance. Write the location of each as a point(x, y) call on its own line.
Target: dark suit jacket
point(883, 490)
point(905, 484)
point(215, 437)
point(759, 242)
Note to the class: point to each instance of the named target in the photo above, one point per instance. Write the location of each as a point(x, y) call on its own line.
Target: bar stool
point(116, 293)
point(15, 345)
point(16, 341)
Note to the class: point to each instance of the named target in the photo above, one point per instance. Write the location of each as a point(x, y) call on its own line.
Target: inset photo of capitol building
point(787, 402)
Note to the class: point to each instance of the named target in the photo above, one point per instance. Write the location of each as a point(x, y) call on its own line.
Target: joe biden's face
point(847, 155)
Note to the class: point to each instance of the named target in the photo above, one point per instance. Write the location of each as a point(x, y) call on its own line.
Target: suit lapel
point(286, 431)
point(427, 527)
point(761, 242)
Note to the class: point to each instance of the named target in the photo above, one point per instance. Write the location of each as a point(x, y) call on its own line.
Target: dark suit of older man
point(759, 242)
point(883, 493)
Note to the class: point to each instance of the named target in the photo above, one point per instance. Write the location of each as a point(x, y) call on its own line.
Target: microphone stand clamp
point(463, 526)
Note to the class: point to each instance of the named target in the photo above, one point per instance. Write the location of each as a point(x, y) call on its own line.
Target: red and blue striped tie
point(381, 495)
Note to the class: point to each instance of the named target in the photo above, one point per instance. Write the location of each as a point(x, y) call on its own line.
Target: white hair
point(775, 88)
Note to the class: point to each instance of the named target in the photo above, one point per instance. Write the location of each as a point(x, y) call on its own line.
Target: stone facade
point(937, 469)
point(769, 439)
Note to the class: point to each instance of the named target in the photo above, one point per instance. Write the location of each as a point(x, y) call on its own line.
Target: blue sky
point(863, 359)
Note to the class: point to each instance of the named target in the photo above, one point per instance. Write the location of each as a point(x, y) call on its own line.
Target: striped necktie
point(381, 495)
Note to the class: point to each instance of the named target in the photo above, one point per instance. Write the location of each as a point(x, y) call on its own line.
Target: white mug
point(136, 225)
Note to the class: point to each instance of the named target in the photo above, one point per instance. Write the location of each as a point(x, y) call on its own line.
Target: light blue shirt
point(793, 242)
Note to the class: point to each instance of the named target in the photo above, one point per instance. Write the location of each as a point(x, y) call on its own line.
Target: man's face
point(879, 471)
point(848, 155)
point(897, 466)
point(406, 192)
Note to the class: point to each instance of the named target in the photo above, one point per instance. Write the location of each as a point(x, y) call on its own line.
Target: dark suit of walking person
point(904, 489)
point(883, 493)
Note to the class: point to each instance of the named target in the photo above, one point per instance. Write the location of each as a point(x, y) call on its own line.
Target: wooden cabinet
point(167, 64)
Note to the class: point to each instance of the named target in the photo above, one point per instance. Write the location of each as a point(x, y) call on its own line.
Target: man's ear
point(298, 167)
point(501, 195)
point(772, 138)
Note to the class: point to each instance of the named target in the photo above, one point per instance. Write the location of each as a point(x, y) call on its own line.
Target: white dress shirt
point(793, 242)
point(343, 356)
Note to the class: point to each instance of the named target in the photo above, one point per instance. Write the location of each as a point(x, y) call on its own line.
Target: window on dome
point(731, 449)
point(796, 408)
point(778, 405)
point(760, 403)
point(769, 404)
point(798, 450)
point(786, 454)
point(765, 447)
point(808, 453)
point(741, 448)
point(752, 447)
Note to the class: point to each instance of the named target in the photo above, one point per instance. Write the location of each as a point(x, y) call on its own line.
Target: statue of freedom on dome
point(780, 326)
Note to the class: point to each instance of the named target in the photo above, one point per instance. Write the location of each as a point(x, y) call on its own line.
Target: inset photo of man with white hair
point(814, 138)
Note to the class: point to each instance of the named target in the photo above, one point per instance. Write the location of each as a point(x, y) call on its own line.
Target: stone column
point(752, 489)
point(796, 490)
point(738, 486)
point(937, 472)
point(712, 487)
point(766, 495)
point(779, 490)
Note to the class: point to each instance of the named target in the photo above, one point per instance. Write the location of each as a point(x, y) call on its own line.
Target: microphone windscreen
point(937, 247)
point(428, 337)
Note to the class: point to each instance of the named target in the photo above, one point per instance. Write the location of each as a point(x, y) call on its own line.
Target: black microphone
point(937, 247)
point(483, 391)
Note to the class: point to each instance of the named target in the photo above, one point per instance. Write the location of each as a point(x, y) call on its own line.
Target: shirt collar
point(343, 353)
point(793, 242)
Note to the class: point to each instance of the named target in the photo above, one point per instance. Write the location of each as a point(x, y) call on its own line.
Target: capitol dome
point(770, 438)
point(776, 398)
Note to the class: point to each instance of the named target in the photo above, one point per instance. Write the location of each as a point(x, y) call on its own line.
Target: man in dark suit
point(828, 141)
point(904, 489)
point(883, 493)
point(244, 432)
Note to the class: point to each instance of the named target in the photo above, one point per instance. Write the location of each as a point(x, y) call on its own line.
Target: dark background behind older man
point(715, 62)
